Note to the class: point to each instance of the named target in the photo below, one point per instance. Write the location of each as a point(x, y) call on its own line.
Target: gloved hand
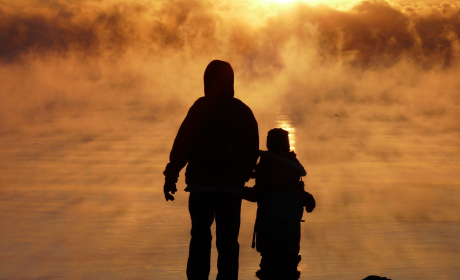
point(309, 202)
point(250, 194)
point(169, 189)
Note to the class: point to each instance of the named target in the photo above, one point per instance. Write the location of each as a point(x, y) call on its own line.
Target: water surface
point(83, 201)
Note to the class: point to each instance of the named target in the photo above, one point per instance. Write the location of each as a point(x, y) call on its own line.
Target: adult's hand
point(169, 189)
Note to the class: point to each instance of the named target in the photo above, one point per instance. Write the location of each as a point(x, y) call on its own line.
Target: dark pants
point(279, 246)
point(225, 208)
point(279, 266)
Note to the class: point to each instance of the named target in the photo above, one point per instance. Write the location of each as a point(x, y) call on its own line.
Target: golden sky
point(59, 56)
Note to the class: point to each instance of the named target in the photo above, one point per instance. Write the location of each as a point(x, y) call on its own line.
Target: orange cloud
point(370, 34)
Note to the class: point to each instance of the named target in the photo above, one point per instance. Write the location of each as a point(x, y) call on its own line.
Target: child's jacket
point(280, 200)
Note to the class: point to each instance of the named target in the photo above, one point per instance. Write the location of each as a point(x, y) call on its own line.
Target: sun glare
point(281, 1)
point(310, 2)
point(284, 121)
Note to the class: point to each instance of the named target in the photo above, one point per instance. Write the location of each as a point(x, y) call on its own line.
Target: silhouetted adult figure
point(219, 141)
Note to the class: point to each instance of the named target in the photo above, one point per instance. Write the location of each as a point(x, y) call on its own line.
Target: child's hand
point(308, 201)
point(250, 194)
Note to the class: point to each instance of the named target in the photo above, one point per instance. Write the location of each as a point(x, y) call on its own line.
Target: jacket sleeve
point(253, 137)
point(185, 139)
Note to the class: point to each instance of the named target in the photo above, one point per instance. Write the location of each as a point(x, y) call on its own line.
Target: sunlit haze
point(92, 94)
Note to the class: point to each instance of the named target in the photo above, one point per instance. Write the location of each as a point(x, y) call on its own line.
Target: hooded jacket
point(218, 138)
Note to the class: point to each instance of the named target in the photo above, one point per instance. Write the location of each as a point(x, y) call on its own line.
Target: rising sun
point(282, 1)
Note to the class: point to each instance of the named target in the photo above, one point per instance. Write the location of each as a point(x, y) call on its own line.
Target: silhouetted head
point(278, 140)
point(218, 80)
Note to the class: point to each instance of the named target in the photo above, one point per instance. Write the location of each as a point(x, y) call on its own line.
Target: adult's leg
point(201, 208)
point(228, 212)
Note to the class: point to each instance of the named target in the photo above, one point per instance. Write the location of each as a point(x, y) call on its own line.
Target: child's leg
point(279, 266)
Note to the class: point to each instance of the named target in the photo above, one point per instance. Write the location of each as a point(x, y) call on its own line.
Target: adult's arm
point(253, 142)
point(184, 142)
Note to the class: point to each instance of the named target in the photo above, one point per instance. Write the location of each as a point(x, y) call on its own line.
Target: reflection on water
point(79, 202)
point(284, 121)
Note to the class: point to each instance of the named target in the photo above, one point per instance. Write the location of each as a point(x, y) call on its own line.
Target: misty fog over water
point(83, 202)
point(92, 94)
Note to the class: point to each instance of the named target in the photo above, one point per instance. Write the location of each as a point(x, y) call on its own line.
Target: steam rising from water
point(370, 33)
point(77, 56)
point(92, 94)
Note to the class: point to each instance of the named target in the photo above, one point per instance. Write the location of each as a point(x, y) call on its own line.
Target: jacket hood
point(278, 140)
point(218, 80)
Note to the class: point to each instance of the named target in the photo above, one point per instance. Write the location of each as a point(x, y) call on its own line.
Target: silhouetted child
point(280, 196)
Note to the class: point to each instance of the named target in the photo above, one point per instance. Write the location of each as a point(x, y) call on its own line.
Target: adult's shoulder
point(199, 102)
point(241, 105)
